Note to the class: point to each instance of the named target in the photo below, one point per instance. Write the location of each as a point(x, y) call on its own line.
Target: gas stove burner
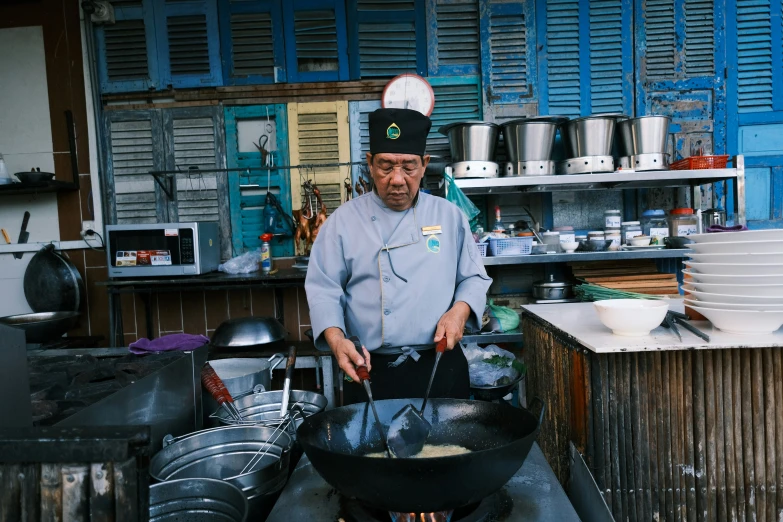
point(475, 169)
point(586, 165)
point(645, 162)
point(530, 168)
point(494, 507)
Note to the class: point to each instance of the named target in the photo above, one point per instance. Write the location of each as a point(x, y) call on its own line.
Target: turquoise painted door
point(246, 127)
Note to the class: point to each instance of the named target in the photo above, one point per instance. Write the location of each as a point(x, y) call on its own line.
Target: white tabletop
point(580, 321)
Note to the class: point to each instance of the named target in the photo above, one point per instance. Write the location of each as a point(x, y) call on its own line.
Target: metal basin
point(471, 140)
point(197, 500)
point(643, 135)
point(264, 408)
point(223, 453)
point(242, 375)
point(591, 136)
point(44, 326)
point(247, 332)
point(528, 140)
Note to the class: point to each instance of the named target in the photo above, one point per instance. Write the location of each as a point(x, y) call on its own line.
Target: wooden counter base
point(669, 435)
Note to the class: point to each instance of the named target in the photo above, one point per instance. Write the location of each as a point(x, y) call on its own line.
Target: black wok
point(499, 436)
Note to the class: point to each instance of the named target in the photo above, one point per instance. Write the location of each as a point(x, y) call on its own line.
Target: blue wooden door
point(246, 126)
point(755, 93)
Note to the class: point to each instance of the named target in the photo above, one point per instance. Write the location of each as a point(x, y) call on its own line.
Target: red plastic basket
point(700, 162)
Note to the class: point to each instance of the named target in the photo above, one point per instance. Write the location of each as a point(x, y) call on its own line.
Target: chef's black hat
point(398, 131)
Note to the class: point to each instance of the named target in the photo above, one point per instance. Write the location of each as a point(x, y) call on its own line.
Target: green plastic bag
point(456, 196)
point(501, 318)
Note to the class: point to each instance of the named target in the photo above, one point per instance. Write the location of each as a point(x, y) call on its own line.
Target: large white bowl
point(747, 247)
point(736, 268)
point(631, 317)
point(738, 257)
point(733, 306)
point(712, 297)
point(735, 279)
point(743, 322)
point(739, 289)
point(748, 235)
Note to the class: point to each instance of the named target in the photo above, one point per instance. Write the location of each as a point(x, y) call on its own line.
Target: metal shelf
point(612, 180)
point(586, 256)
point(513, 336)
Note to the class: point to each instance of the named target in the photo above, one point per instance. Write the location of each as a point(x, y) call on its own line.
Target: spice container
point(612, 219)
point(580, 237)
point(615, 237)
point(631, 229)
point(596, 234)
point(682, 222)
point(566, 234)
point(654, 224)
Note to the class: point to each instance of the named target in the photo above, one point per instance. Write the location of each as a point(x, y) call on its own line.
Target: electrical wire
point(86, 233)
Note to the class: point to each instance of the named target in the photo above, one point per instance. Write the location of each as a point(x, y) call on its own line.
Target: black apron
point(409, 380)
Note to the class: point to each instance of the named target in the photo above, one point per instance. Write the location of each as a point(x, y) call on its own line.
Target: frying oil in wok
point(430, 451)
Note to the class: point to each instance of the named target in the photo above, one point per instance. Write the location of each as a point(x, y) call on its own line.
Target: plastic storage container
point(631, 229)
point(567, 234)
point(612, 219)
point(654, 224)
point(552, 240)
point(615, 237)
point(682, 222)
point(512, 246)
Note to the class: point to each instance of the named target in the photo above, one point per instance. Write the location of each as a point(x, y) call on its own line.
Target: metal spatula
point(364, 377)
point(409, 430)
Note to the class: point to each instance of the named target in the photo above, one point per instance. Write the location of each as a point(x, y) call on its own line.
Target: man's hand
point(345, 353)
point(452, 324)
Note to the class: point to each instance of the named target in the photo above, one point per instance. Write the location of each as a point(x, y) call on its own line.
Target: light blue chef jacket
point(364, 253)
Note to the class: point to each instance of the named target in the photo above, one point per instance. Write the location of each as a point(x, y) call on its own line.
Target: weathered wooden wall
point(675, 435)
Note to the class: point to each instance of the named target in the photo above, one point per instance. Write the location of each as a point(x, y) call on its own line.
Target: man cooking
point(398, 269)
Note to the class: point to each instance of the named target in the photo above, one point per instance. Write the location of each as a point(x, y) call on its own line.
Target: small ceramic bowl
point(640, 241)
point(569, 246)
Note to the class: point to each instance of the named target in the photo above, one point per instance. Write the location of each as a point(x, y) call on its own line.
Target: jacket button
point(374, 218)
point(386, 312)
point(386, 279)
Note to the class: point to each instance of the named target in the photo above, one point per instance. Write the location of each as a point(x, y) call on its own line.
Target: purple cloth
point(721, 228)
point(182, 342)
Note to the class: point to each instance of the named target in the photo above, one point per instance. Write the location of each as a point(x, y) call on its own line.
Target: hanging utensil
point(364, 377)
point(409, 429)
point(214, 384)
point(289, 372)
point(24, 235)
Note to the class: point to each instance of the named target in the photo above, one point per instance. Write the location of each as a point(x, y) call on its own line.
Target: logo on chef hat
point(433, 244)
point(393, 131)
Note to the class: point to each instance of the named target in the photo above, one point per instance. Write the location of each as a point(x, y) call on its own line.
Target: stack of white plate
point(737, 280)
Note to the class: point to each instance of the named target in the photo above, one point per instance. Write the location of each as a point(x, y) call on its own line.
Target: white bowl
point(738, 257)
point(736, 268)
point(640, 241)
point(735, 279)
point(733, 247)
point(743, 322)
point(712, 297)
point(631, 317)
point(739, 289)
point(747, 235)
point(569, 246)
point(734, 306)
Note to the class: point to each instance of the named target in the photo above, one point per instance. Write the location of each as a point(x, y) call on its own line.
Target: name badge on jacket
point(429, 231)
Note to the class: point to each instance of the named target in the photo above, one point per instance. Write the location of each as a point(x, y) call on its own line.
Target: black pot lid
point(52, 283)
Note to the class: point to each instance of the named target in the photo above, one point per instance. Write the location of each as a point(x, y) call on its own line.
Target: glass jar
point(615, 237)
point(612, 219)
point(631, 229)
point(552, 241)
point(596, 234)
point(682, 222)
point(654, 224)
point(566, 234)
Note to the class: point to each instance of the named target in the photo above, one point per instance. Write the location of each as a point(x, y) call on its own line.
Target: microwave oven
point(162, 249)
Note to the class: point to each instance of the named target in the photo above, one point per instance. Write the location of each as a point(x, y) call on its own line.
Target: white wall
point(25, 128)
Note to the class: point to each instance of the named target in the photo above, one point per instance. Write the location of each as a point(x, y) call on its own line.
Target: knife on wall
point(24, 235)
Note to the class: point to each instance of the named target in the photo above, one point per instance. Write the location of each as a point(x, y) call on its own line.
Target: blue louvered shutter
point(563, 38)
point(507, 53)
point(247, 190)
point(316, 44)
point(251, 40)
point(126, 49)
point(755, 86)
point(188, 43)
point(611, 57)
point(457, 98)
point(453, 47)
point(358, 118)
point(386, 38)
